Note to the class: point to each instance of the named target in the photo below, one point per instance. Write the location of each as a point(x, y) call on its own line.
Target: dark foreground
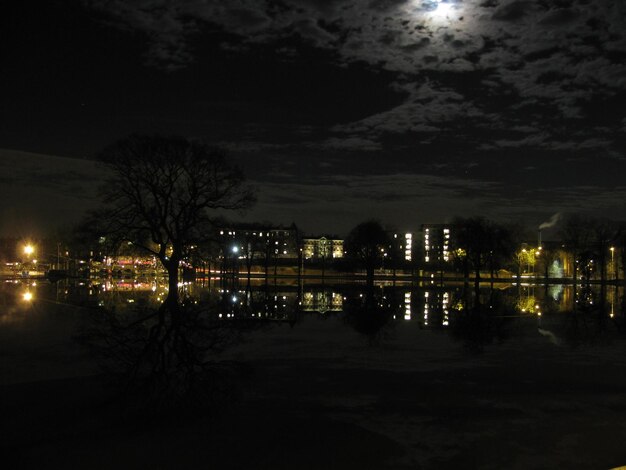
point(320, 396)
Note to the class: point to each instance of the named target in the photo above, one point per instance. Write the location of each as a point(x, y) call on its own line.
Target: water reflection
point(322, 299)
point(263, 303)
point(481, 318)
point(564, 315)
point(370, 312)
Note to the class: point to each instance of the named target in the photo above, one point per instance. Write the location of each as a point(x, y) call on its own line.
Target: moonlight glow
point(441, 12)
point(443, 9)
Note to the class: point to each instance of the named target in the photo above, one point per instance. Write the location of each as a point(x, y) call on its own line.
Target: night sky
point(338, 110)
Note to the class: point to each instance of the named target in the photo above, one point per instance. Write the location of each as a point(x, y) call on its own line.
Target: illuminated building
point(402, 246)
point(437, 243)
point(322, 247)
point(256, 241)
point(323, 302)
point(436, 308)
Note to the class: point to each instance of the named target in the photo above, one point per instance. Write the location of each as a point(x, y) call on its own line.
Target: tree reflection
point(166, 361)
point(477, 322)
point(618, 315)
point(589, 320)
point(370, 314)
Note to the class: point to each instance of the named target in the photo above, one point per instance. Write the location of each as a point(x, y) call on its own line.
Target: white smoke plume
point(552, 222)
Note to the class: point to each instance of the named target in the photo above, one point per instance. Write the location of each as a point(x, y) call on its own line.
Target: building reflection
point(322, 301)
point(436, 308)
point(430, 307)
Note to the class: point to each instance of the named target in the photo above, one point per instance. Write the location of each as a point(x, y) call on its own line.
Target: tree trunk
point(603, 266)
point(172, 299)
point(477, 278)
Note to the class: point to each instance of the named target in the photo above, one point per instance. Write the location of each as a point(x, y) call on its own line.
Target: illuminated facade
point(437, 243)
point(323, 302)
point(402, 246)
point(322, 248)
point(135, 264)
point(436, 308)
point(256, 241)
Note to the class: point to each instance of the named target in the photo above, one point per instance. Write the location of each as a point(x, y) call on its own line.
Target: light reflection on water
point(559, 313)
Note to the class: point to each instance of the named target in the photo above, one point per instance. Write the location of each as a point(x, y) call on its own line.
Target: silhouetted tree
point(546, 257)
point(604, 234)
point(160, 196)
point(366, 244)
point(478, 324)
point(620, 247)
point(576, 233)
point(481, 244)
point(370, 315)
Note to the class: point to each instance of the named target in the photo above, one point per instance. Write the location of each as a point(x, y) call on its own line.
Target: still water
point(563, 315)
point(441, 376)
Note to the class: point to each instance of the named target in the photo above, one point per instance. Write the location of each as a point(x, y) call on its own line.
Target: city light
point(29, 249)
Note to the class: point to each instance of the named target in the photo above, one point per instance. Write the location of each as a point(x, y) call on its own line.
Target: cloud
point(310, 30)
point(406, 201)
point(560, 16)
point(510, 66)
point(426, 108)
point(513, 11)
point(349, 143)
point(338, 203)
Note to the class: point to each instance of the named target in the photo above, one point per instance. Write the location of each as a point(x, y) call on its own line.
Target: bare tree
point(604, 233)
point(482, 244)
point(577, 235)
point(161, 195)
point(366, 244)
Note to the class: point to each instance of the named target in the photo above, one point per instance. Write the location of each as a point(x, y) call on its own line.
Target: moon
point(443, 9)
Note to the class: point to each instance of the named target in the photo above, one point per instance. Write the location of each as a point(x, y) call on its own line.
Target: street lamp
point(29, 250)
point(613, 262)
point(525, 255)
